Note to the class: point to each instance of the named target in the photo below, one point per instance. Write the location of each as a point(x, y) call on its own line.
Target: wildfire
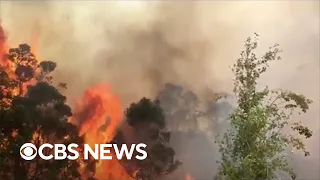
point(3, 46)
point(10, 67)
point(99, 114)
point(99, 111)
point(3, 49)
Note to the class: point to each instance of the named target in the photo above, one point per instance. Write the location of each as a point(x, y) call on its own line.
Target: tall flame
point(97, 108)
point(3, 47)
point(99, 114)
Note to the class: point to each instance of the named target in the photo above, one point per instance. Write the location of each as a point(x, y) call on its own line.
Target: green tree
point(37, 114)
point(255, 145)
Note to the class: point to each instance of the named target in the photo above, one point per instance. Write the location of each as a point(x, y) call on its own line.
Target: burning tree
point(100, 116)
point(32, 110)
point(255, 145)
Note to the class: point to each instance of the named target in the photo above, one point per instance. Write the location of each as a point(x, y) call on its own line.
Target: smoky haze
point(137, 47)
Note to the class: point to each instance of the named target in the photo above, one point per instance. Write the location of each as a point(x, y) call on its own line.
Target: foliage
point(148, 116)
point(255, 145)
point(33, 110)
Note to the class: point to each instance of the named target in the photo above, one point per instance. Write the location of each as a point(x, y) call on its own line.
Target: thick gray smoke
point(136, 49)
point(138, 46)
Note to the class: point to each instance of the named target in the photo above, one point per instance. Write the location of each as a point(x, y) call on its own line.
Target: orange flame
point(9, 67)
point(3, 46)
point(99, 114)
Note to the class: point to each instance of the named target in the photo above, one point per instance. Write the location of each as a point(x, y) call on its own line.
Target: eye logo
point(28, 151)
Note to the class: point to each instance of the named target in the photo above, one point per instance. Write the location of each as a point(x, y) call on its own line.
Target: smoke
point(139, 46)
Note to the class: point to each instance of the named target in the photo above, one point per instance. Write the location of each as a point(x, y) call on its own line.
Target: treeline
point(32, 109)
